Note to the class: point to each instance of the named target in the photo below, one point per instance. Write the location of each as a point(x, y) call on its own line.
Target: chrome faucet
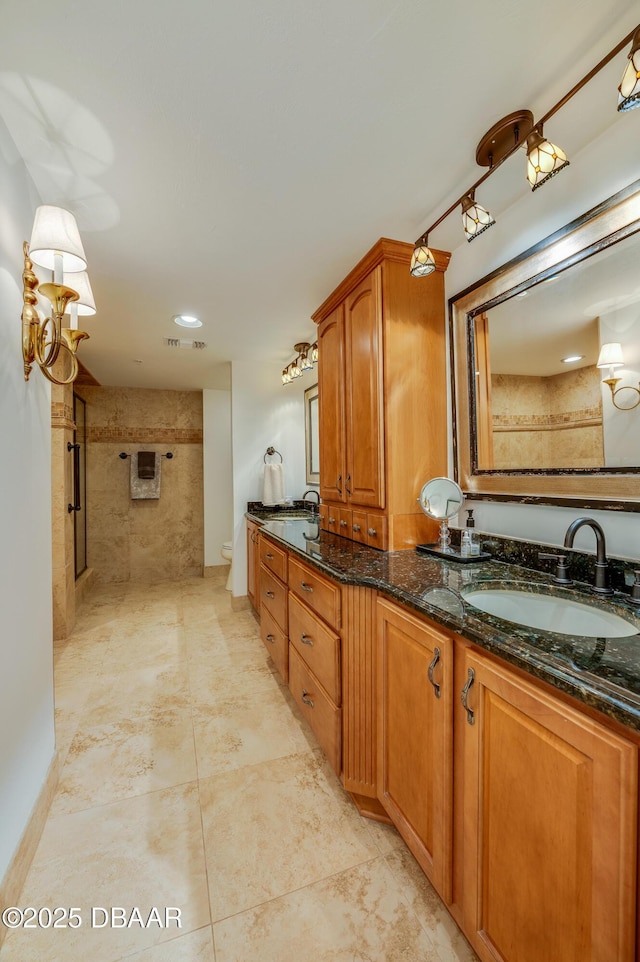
point(314, 507)
point(601, 581)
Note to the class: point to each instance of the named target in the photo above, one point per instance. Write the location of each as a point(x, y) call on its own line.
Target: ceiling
point(234, 160)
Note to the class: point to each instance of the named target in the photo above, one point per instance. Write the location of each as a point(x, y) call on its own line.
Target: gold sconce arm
point(42, 341)
point(612, 382)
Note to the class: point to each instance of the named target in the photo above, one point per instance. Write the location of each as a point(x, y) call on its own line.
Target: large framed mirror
point(535, 418)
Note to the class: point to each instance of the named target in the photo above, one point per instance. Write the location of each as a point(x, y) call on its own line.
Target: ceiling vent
point(186, 342)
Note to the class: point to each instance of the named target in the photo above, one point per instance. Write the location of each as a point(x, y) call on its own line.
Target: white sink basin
point(550, 613)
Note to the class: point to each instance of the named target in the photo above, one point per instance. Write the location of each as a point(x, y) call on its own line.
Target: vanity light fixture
point(475, 219)
point(306, 357)
point(629, 89)
point(56, 246)
point(611, 357)
point(544, 159)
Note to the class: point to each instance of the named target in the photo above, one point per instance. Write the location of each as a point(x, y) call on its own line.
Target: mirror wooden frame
point(312, 452)
point(608, 488)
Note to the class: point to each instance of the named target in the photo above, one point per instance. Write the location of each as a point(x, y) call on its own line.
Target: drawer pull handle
point(306, 640)
point(434, 662)
point(357, 527)
point(270, 594)
point(306, 699)
point(372, 532)
point(464, 696)
point(269, 556)
point(305, 586)
point(272, 639)
point(343, 524)
point(332, 520)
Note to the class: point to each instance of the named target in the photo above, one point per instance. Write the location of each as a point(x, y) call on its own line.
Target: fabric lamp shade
point(610, 355)
point(85, 305)
point(55, 232)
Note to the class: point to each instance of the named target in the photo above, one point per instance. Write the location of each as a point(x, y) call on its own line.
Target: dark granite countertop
point(602, 673)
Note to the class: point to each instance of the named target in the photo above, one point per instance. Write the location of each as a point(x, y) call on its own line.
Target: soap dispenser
point(471, 542)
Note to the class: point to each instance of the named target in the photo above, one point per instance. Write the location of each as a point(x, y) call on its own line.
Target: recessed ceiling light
point(572, 358)
point(184, 320)
point(522, 294)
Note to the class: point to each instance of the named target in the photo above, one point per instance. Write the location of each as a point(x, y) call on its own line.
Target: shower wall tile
point(152, 540)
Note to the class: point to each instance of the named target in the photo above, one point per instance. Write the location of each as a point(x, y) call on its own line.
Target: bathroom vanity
point(507, 757)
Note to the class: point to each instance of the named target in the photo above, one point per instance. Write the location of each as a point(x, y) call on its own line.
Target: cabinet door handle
point(305, 586)
point(269, 594)
point(464, 696)
point(306, 640)
point(434, 662)
point(356, 527)
point(269, 556)
point(346, 484)
point(339, 484)
point(372, 532)
point(306, 699)
point(271, 638)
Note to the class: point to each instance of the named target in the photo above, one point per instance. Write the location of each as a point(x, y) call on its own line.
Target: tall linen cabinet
point(382, 398)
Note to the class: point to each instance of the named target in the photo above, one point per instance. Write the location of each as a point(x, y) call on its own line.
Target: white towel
point(273, 484)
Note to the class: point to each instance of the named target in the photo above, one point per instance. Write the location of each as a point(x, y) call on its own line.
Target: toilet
point(227, 553)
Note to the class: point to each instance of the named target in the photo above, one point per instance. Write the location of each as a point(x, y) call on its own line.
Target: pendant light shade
point(55, 232)
point(422, 260)
point(544, 159)
point(475, 219)
point(629, 89)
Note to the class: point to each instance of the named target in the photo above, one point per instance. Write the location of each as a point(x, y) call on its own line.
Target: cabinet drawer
point(359, 526)
point(273, 597)
point(322, 714)
point(276, 643)
point(376, 531)
point(345, 522)
point(320, 595)
point(317, 645)
point(330, 517)
point(273, 558)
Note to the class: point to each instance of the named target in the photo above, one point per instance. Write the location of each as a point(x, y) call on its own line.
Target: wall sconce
point(611, 356)
point(544, 159)
point(55, 245)
point(306, 357)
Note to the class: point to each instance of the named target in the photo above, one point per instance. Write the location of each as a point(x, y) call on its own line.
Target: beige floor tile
point(194, 947)
point(274, 827)
point(143, 852)
point(211, 683)
point(148, 647)
point(447, 938)
point(108, 763)
point(355, 916)
point(385, 836)
point(241, 730)
point(142, 693)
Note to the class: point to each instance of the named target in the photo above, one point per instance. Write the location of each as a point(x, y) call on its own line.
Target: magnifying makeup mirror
point(441, 499)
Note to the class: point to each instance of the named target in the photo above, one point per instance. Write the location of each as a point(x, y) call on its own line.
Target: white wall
point(263, 414)
point(606, 166)
point(218, 481)
point(26, 635)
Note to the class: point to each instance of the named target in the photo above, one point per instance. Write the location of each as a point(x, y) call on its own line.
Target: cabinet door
point(415, 684)
point(549, 840)
point(331, 407)
point(364, 481)
point(252, 563)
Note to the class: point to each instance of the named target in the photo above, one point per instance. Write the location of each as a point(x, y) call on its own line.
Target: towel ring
point(271, 451)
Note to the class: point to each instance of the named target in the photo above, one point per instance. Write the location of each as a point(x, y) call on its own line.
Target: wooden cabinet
point(382, 397)
point(315, 655)
point(415, 686)
point(253, 564)
point(273, 604)
point(547, 799)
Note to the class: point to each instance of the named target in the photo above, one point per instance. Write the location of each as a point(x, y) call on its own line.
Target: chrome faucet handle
point(635, 589)
point(561, 576)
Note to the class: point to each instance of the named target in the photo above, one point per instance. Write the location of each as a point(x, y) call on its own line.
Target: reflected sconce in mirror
point(56, 246)
point(611, 357)
point(544, 159)
point(306, 357)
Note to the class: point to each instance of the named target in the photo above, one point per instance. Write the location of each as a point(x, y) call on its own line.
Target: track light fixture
point(306, 357)
point(544, 159)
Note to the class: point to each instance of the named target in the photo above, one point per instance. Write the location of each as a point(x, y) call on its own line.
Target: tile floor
point(189, 780)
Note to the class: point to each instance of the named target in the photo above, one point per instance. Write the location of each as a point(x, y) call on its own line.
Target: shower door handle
point(76, 506)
